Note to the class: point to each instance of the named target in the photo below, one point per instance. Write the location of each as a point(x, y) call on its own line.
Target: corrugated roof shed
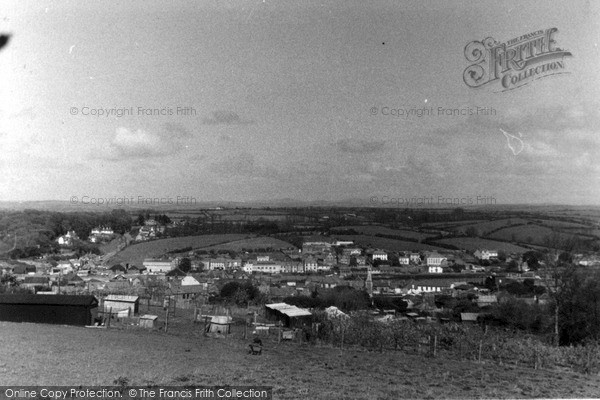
point(290, 311)
point(122, 298)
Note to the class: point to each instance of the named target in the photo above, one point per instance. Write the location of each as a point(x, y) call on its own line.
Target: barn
point(48, 309)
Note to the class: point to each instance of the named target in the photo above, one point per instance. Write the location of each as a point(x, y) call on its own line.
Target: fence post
point(480, 346)
point(279, 334)
point(167, 320)
point(434, 345)
point(206, 325)
point(109, 316)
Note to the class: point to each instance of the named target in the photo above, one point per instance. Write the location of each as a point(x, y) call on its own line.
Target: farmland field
point(443, 225)
point(561, 224)
point(260, 242)
point(385, 243)
point(136, 253)
point(472, 244)
point(376, 229)
point(60, 355)
point(483, 228)
point(534, 234)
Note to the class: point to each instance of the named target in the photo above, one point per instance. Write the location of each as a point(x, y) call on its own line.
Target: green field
point(483, 228)
point(386, 244)
point(136, 253)
point(534, 234)
point(472, 244)
point(60, 355)
point(261, 242)
point(444, 225)
point(561, 224)
point(376, 229)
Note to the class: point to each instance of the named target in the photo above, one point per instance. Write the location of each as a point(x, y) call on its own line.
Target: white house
point(310, 264)
point(434, 259)
point(63, 267)
point(485, 254)
point(415, 258)
point(268, 267)
point(380, 255)
point(67, 239)
point(154, 266)
point(416, 289)
point(434, 269)
point(403, 260)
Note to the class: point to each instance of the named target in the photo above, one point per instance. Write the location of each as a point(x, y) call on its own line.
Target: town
point(438, 271)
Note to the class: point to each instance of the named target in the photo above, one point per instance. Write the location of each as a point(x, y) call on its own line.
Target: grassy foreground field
point(60, 355)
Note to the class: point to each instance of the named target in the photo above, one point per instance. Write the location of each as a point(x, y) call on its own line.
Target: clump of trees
point(32, 233)
point(240, 293)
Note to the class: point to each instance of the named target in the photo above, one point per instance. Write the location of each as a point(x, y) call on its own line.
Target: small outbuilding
point(48, 309)
point(220, 324)
point(469, 317)
point(290, 316)
point(118, 303)
point(148, 321)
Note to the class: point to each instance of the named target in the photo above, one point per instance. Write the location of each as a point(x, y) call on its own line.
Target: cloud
point(176, 130)
point(226, 118)
point(244, 165)
point(141, 143)
point(359, 146)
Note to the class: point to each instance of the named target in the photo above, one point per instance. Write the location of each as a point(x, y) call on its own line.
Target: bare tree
point(558, 276)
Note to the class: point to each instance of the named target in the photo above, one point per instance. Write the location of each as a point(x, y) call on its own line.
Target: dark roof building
point(48, 309)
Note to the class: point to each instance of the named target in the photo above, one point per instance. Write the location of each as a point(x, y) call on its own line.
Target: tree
point(9, 280)
point(353, 262)
point(512, 266)
point(502, 255)
point(240, 293)
point(185, 264)
point(532, 258)
point(560, 280)
point(141, 220)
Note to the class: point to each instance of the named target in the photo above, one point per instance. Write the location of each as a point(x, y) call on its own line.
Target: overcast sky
point(287, 101)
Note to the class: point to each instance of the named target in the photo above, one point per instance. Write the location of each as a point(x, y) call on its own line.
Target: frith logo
point(516, 62)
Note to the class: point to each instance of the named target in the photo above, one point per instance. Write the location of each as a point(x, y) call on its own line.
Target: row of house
point(101, 234)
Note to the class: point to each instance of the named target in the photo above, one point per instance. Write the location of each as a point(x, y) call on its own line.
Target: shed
point(148, 321)
point(55, 309)
point(469, 317)
point(290, 316)
point(220, 324)
point(122, 302)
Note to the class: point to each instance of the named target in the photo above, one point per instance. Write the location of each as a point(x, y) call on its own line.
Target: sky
point(267, 100)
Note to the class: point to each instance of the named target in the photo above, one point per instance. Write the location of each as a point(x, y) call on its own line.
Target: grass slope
point(261, 242)
point(59, 355)
point(472, 244)
point(376, 229)
point(385, 243)
point(136, 253)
